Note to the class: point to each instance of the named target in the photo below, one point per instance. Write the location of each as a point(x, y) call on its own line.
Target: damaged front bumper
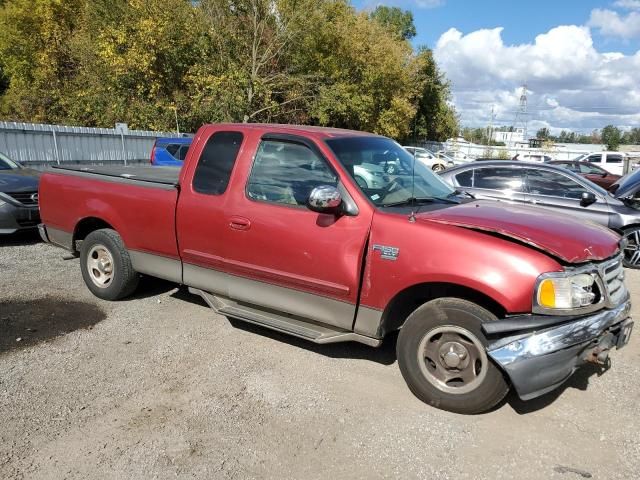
point(538, 362)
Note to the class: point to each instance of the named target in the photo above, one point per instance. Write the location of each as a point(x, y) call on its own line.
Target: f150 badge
point(386, 252)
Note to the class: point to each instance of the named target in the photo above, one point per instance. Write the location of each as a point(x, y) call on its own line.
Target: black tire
point(631, 254)
point(124, 279)
point(490, 387)
point(438, 167)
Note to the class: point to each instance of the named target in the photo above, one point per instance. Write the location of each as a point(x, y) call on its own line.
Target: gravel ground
point(160, 387)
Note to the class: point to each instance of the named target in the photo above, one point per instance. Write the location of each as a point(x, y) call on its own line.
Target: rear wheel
point(106, 266)
point(631, 253)
point(442, 356)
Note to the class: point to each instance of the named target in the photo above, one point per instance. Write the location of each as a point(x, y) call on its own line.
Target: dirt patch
point(23, 324)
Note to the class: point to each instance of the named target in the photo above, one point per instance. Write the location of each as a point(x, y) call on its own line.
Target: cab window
point(286, 173)
point(216, 163)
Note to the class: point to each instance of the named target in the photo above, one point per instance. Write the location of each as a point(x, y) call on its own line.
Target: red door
point(281, 255)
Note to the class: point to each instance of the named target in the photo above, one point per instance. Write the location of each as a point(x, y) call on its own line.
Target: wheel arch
point(407, 300)
point(84, 227)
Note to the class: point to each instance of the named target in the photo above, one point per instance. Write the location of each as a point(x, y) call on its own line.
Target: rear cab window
point(216, 163)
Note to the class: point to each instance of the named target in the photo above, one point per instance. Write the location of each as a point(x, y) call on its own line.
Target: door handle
point(240, 223)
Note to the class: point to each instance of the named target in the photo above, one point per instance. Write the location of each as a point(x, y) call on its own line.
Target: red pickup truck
point(268, 225)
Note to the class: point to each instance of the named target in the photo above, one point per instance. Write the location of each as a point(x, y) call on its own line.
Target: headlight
point(564, 292)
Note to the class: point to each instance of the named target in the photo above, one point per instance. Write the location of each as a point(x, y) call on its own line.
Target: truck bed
point(148, 174)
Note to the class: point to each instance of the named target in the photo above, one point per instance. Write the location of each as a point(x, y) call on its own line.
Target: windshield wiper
point(417, 201)
point(455, 193)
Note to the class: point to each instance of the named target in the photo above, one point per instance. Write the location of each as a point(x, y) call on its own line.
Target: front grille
point(29, 199)
point(612, 273)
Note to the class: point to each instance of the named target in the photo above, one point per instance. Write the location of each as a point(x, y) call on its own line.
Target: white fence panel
point(41, 144)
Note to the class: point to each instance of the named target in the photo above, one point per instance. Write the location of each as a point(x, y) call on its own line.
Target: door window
point(569, 166)
point(499, 178)
point(553, 184)
point(594, 158)
point(465, 179)
point(286, 173)
point(182, 152)
point(216, 163)
point(172, 148)
point(590, 169)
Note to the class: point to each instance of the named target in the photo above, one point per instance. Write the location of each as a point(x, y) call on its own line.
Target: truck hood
point(569, 240)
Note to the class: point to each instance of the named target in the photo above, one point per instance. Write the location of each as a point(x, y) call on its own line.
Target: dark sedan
point(558, 189)
point(18, 197)
point(596, 174)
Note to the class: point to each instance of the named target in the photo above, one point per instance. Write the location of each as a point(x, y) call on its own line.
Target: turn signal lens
point(547, 294)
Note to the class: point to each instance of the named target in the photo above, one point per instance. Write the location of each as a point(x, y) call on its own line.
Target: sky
point(580, 59)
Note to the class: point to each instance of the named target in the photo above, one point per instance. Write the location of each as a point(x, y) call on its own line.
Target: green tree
point(543, 134)
point(611, 136)
point(435, 118)
point(398, 21)
point(36, 57)
point(96, 62)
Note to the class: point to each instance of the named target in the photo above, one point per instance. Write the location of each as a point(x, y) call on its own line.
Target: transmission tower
point(523, 108)
point(521, 114)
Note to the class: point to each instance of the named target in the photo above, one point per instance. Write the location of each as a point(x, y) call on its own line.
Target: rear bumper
point(538, 362)
point(14, 218)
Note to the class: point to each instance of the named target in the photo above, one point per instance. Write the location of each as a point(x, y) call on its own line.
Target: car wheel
point(106, 266)
point(631, 252)
point(438, 167)
point(442, 356)
point(362, 183)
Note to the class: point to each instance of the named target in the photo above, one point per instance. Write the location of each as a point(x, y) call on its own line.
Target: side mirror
point(604, 174)
point(587, 198)
point(325, 199)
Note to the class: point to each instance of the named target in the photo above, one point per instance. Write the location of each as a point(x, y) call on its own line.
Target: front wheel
point(106, 266)
point(442, 356)
point(438, 167)
point(631, 252)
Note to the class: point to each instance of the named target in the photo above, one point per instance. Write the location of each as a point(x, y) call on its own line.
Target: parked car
point(594, 173)
point(457, 155)
point(450, 161)
point(269, 226)
point(170, 151)
point(554, 188)
point(535, 157)
point(612, 162)
point(18, 197)
point(429, 159)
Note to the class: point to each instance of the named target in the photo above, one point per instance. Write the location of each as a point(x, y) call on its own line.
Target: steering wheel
point(391, 187)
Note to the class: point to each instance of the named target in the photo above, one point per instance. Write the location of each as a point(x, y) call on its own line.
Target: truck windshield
point(386, 172)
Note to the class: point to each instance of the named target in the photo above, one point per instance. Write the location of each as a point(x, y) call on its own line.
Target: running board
point(282, 323)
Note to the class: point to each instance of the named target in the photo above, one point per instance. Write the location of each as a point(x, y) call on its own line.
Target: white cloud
point(429, 3)
point(628, 4)
point(571, 85)
point(612, 24)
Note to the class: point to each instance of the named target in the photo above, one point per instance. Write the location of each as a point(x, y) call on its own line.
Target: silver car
point(556, 189)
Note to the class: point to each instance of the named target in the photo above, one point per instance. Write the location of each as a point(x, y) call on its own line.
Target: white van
point(612, 162)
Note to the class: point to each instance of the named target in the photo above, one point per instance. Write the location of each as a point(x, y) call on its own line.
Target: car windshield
point(7, 164)
point(386, 172)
